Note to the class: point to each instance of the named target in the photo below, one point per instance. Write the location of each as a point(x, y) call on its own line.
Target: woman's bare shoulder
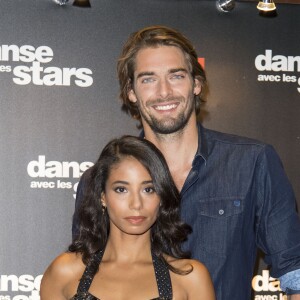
point(61, 278)
point(65, 264)
point(195, 280)
point(65, 267)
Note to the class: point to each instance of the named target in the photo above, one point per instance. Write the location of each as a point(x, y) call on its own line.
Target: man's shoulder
point(228, 138)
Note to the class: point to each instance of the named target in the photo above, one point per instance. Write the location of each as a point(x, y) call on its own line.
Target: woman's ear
point(102, 199)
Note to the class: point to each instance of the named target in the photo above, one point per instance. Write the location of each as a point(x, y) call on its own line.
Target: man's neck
point(178, 148)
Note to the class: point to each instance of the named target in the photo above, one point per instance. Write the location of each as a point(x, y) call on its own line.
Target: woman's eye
point(120, 189)
point(149, 190)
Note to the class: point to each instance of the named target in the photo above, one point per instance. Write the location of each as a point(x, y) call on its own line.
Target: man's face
point(164, 89)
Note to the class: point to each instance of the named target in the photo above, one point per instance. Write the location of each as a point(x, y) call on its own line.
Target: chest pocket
point(218, 225)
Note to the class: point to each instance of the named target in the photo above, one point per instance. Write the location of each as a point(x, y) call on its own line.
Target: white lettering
point(269, 78)
point(6, 279)
point(5, 69)
point(267, 62)
point(51, 75)
point(85, 79)
point(265, 283)
point(37, 74)
point(24, 283)
point(44, 54)
point(265, 297)
point(26, 53)
point(22, 77)
point(54, 76)
point(55, 169)
point(287, 78)
point(64, 185)
point(42, 184)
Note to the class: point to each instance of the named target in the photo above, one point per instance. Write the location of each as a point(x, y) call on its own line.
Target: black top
point(162, 275)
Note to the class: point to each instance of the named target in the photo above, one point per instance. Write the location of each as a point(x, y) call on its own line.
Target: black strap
point(89, 272)
point(163, 278)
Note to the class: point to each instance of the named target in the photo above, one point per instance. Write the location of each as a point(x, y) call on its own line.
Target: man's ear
point(131, 96)
point(197, 87)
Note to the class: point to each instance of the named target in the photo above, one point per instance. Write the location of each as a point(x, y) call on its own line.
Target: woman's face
point(131, 201)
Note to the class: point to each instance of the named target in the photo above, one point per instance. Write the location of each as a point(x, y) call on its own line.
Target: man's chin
point(167, 127)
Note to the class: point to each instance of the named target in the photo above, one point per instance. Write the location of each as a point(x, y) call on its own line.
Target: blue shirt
point(237, 199)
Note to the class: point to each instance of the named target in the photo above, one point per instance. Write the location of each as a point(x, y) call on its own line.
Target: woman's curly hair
point(167, 233)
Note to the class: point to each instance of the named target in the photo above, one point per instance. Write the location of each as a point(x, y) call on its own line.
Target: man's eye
point(178, 76)
point(147, 80)
point(120, 189)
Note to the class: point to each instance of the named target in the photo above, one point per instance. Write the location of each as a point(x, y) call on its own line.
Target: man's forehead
point(160, 58)
point(160, 51)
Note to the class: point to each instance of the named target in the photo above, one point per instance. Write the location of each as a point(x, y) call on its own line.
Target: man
point(234, 191)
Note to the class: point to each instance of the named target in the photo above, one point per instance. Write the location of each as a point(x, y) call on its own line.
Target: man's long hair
point(153, 37)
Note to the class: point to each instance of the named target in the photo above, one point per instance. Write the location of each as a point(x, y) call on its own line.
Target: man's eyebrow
point(171, 71)
point(144, 74)
point(177, 70)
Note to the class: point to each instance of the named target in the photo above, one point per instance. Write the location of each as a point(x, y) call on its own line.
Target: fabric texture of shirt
point(237, 198)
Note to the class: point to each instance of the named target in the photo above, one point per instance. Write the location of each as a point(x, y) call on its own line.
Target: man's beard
point(169, 125)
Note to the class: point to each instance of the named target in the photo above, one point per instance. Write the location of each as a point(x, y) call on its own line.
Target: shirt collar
point(202, 151)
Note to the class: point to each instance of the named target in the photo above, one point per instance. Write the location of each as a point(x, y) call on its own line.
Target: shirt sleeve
point(278, 223)
point(290, 282)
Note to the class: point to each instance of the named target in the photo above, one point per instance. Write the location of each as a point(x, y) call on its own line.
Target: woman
point(129, 234)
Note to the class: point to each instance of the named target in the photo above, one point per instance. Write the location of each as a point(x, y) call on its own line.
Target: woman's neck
point(128, 248)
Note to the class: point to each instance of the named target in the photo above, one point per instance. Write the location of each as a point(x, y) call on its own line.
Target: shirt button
point(237, 203)
point(221, 212)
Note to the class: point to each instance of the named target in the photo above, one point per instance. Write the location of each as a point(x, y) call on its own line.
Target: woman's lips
point(135, 219)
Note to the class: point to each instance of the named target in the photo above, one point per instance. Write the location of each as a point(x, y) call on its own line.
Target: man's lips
point(165, 107)
point(135, 219)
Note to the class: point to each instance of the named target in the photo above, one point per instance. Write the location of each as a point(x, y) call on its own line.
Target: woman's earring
point(103, 209)
point(103, 204)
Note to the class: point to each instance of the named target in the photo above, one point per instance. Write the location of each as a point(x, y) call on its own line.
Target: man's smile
point(165, 107)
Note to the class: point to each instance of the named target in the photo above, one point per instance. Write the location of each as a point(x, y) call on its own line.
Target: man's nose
point(165, 89)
